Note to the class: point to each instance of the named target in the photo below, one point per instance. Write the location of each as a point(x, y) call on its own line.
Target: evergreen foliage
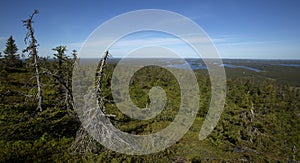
point(260, 121)
point(11, 58)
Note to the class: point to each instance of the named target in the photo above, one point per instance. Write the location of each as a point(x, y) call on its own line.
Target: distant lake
point(196, 63)
point(194, 66)
point(290, 65)
point(243, 67)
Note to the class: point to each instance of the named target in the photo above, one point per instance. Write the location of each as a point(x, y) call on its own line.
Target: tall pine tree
point(11, 58)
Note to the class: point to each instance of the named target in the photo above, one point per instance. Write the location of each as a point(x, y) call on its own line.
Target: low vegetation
point(260, 121)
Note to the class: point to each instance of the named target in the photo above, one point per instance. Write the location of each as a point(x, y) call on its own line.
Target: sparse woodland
point(260, 123)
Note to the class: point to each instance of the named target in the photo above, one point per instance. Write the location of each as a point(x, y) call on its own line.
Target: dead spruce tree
point(84, 142)
point(99, 75)
point(32, 49)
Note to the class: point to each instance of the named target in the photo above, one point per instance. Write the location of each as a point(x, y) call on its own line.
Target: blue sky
point(239, 29)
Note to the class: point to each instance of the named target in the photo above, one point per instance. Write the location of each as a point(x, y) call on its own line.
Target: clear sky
point(262, 29)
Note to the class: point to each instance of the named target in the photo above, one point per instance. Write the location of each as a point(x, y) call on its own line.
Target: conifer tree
point(61, 57)
point(11, 47)
point(11, 58)
point(74, 54)
point(63, 75)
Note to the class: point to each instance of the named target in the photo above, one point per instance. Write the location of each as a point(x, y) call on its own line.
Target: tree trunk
point(38, 81)
point(32, 48)
point(98, 84)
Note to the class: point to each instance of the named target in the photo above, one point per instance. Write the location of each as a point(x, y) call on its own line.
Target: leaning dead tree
point(32, 49)
point(84, 142)
point(99, 75)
